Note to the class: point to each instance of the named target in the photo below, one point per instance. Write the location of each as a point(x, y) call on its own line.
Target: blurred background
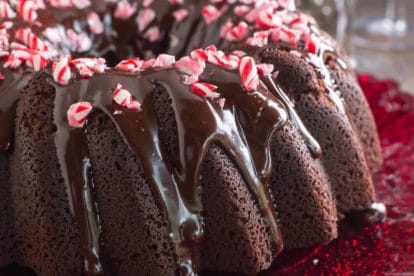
point(377, 34)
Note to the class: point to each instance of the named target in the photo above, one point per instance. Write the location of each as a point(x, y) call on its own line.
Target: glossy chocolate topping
point(243, 126)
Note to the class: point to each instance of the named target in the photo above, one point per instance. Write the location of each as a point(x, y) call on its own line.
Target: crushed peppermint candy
point(191, 67)
point(130, 65)
point(30, 40)
point(144, 18)
point(312, 43)
point(238, 32)
point(205, 89)
point(95, 23)
point(61, 70)
point(78, 113)
point(164, 61)
point(153, 34)
point(211, 13)
point(124, 9)
point(248, 74)
point(88, 67)
point(27, 10)
point(265, 69)
point(6, 12)
point(180, 15)
point(124, 98)
point(259, 39)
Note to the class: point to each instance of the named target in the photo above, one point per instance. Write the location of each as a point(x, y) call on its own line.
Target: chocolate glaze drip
point(318, 61)
point(310, 141)
point(243, 127)
point(72, 152)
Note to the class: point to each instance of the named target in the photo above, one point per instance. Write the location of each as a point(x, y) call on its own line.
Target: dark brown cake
point(212, 163)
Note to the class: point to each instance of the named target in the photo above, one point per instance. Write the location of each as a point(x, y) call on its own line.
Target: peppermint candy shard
point(124, 9)
point(124, 98)
point(199, 54)
point(265, 69)
point(190, 66)
point(164, 61)
point(205, 90)
point(180, 15)
point(61, 70)
point(248, 74)
point(238, 32)
point(95, 23)
point(144, 18)
point(6, 12)
point(78, 113)
point(130, 65)
point(210, 13)
point(313, 43)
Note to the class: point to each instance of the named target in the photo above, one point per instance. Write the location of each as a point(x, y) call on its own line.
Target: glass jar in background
point(378, 34)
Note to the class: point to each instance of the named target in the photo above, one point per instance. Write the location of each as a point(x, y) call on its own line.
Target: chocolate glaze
point(243, 127)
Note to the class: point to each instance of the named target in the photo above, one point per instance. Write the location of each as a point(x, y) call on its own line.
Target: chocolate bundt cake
point(131, 145)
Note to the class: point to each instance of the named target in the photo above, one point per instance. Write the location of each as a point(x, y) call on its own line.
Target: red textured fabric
point(383, 248)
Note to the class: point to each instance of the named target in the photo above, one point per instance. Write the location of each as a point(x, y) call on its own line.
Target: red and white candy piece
point(80, 42)
point(180, 15)
point(38, 62)
point(287, 35)
point(248, 74)
point(176, 2)
point(124, 9)
point(6, 25)
point(268, 19)
point(124, 98)
point(147, 3)
point(30, 39)
point(225, 28)
point(200, 54)
point(238, 32)
point(81, 4)
point(210, 13)
point(265, 69)
point(288, 4)
point(241, 10)
point(164, 61)
point(153, 34)
point(87, 67)
point(189, 66)
point(130, 65)
point(144, 18)
point(61, 3)
point(27, 10)
point(1, 76)
point(61, 70)
point(17, 58)
point(148, 64)
point(6, 12)
point(313, 43)
point(259, 39)
point(204, 89)
point(78, 113)
point(95, 23)
point(239, 53)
